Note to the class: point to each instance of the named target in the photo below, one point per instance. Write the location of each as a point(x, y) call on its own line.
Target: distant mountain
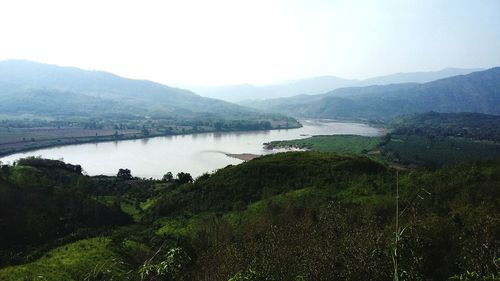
point(475, 92)
point(28, 87)
point(317, 85)
point(238, 93)
point(230, 93)
point(417, 77)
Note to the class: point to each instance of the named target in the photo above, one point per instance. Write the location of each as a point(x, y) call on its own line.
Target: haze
point(260, 41)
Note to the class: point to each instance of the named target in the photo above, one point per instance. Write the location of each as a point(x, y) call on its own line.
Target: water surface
point(193, 153)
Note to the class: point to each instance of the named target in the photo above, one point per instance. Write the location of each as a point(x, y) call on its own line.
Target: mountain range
point(475, 92)
point(317, 85)
point(47, 90)
point(43, 90)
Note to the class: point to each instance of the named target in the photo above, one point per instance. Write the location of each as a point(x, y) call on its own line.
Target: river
point(193, 153)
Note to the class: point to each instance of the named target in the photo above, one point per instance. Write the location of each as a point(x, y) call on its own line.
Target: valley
point(265, 140)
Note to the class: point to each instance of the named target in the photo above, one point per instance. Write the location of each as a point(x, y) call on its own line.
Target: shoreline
point(111, 138)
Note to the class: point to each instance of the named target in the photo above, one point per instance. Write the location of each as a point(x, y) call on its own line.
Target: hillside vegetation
point(44, 202)
point(289, 216)
point(420, 203)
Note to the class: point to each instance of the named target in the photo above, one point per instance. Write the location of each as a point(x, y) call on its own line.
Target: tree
point(183, 178)
point(124, 174)
point(168, 177)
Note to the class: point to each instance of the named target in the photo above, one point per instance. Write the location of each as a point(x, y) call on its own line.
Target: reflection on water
point(196, 153)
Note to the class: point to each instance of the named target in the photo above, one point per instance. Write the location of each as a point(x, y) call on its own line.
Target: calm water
point(195, 153)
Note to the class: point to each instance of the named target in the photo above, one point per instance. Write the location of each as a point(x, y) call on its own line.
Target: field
point(21, 139)
point(402, 149)
point(341, 144)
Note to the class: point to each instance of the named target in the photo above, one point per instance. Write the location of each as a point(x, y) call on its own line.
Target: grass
point(179, 226)
point(406, 149)
point(73, 261)
point(344, 144)
point(127, 206)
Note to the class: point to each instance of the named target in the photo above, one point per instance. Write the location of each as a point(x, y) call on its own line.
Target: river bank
point(31, 144)
point(194, 153)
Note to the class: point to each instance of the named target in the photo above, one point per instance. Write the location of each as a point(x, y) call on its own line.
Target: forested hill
point(34, 88)
point(288, 216)
point(475, 92)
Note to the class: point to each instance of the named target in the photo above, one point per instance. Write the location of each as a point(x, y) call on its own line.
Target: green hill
point(34, 88)
point(290, 216)
point(43, 201)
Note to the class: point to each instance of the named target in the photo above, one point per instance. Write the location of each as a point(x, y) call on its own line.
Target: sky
point(216, 42)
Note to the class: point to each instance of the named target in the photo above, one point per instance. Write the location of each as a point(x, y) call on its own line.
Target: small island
point(243, 156)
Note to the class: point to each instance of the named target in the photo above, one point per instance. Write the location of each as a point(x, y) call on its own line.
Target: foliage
point(264, 176)
point(168, 177)
point(169, 268)
point(249, 275)
point(291, 230)
point(290, 216)
point(90, 260)
point(183, 178)
point(124, 174)
point(50, 164)
point(42, 203)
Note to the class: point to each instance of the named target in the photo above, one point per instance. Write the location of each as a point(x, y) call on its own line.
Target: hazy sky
point(254, 41)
